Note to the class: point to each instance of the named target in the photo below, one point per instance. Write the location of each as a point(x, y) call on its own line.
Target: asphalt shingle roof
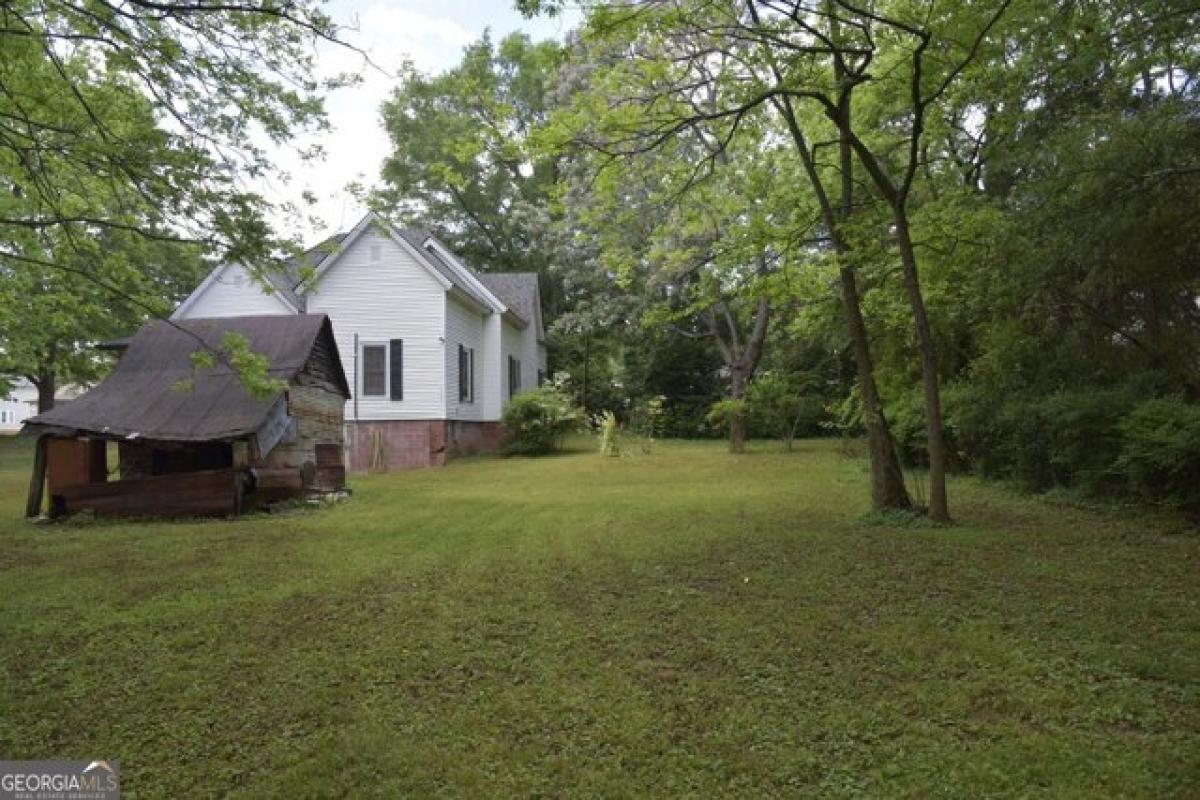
point(156, 392)
point(518, 291)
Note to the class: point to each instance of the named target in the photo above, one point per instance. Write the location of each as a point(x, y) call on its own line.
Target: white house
point(22, 400)
point(433, 349)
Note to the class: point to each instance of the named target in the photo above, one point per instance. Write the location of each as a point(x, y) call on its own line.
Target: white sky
point(432, 33)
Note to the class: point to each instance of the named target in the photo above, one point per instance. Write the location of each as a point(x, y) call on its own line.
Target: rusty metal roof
point(157, 393)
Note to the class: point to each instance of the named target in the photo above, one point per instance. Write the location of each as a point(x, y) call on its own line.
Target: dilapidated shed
point(162, 436)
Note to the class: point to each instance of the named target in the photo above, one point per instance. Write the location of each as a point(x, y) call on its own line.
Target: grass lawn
point(685, 623)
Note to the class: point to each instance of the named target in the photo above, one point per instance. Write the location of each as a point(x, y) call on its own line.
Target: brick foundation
point(408, 444)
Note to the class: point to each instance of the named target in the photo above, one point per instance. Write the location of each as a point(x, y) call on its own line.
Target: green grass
point(685, 623)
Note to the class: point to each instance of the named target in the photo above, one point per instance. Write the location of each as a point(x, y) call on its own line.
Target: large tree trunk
point(737, 424)
point(45, 389)
point(587, 365)
point(887, 479)
point(938, 505)
point(741, 360)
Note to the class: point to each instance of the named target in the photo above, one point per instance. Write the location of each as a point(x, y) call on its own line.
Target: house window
point(383, 369)
point(374, 377)
point(541, 376)
point(466, 374)
point(514, 376)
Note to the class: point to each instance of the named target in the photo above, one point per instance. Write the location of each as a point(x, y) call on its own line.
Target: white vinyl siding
point(530, 363)
point(512, 344)
point(377, 290)
point(464, 327)
point(489, 363)
point(233, 293)
point(535, 351)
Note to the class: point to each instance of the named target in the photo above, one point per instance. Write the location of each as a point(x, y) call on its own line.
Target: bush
point(536, 421)
point(610, 434)
point(722, 413)
point(1066, 439)
point(1099, 442)
point(685, 419)
point(783, 407)
point(1160, 451)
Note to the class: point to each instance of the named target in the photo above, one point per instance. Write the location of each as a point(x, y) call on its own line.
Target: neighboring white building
point(433, 349)
point(21, 403)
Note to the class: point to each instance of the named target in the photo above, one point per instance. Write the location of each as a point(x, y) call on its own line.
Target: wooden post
point(37, 482)
point(239, 491)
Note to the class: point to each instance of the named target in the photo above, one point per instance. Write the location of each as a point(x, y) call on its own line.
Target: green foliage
point(1050, 191)
point(610, 435)
point(536, 421)
point(141, 116)
point(234, 352)
point(54, 311)
point(130, 134)
point(1160, 451)
point(1097, 442)
point(722, 413)
point(647, 419)
point(460, 158)
point(785, 406)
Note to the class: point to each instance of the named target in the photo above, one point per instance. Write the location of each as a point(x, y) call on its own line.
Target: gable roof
point(369, 221)
point(144, 396)
point(514, 294)
point(518, 291)
point(287, 300)
point(422, 241)
point(288, 280)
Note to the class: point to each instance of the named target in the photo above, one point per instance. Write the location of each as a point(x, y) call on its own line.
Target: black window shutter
point(471, 372)
point(397, 368)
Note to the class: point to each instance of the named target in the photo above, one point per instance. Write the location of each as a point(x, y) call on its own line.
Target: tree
point(687, 67)
point(856, 37)
point(688, 221)
point(163, 103)
point(50, 317)
point(782, 402)
point(136, 125)
point(461, 161)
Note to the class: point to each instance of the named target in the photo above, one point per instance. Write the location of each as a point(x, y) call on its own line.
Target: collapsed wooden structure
point(191, 440)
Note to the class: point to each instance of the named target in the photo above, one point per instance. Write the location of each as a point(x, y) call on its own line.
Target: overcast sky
point(432, 33)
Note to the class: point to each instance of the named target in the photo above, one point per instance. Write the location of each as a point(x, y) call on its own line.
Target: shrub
point(647, 418)
point(610, 434)
point(686, 419)
point(536, 421)
point(781, 407)
point(1160, 451)
point(1069, 438)
point(722, 413)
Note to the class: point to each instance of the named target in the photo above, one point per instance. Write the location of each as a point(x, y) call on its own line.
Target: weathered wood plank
point(37, 481)
point(205, 493)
